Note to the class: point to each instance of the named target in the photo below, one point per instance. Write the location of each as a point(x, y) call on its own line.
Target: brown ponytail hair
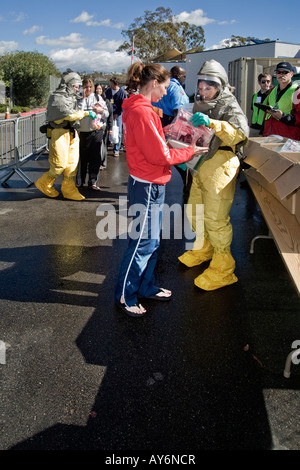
point(139, 75)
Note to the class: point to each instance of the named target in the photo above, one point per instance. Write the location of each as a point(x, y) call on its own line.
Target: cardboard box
point(297, 208)
point(253, 174)
point(278, 172)
point(273, 164)
point(255, 142)
point(293, 156)
point(252, 145)
point(289, 202)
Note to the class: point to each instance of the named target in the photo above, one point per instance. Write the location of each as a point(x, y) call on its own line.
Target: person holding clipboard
point(283, 116)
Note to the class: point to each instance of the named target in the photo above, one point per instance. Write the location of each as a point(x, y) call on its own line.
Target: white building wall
point(283, 49)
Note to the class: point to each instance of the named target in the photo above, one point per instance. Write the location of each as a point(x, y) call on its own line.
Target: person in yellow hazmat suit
point(214, 180)
point(62, 122)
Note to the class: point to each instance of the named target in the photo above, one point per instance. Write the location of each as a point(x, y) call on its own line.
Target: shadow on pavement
point(177, 379)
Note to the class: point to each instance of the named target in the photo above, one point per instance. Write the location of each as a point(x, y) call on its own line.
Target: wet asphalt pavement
point(201, 372)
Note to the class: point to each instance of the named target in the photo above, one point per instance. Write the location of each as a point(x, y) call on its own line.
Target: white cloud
point(196, 17)
point(107, 45)
point(223, 43)
point(100, 23)
point(20, 17)
point(106, 23)
point(73, 40)
point(7, 46)
point(227, 22)
point(33, 29)
point(87, 60)
point(84, 17)
point(118, 25)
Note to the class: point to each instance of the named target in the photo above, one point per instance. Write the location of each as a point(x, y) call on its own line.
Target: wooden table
point(283, 228)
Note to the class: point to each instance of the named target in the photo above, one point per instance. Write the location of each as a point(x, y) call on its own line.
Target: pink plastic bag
point(96, 123)
point(182, 130)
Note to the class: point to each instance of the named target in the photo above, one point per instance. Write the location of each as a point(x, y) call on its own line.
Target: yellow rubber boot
point(195, 257)
point(45, 185)
point(220, 273)
point(70, 191)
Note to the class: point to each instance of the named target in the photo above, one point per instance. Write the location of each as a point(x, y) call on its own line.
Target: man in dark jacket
point(116, 96)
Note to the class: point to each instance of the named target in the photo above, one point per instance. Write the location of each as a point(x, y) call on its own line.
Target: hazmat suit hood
point(63, 101)
point(213, 69)
point(224, 107)
point(71, 79)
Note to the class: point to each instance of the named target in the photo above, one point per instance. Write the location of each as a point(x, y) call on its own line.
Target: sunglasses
point(265, 81)
point(284, 72)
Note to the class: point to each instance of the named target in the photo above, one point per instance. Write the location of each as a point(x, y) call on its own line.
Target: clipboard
point(265, 107)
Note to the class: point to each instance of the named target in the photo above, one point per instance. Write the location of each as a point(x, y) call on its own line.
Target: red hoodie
point(148, 156)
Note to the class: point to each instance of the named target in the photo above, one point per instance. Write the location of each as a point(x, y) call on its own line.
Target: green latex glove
point(199, 119)
point(92, 114)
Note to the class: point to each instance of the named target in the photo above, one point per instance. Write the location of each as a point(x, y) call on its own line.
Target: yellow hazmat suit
point(214, 182)
point(62, 117)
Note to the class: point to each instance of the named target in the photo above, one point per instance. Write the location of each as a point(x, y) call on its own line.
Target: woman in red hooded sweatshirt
point(149, 162)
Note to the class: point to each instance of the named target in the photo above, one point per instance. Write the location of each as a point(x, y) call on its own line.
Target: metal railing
point(20, 139)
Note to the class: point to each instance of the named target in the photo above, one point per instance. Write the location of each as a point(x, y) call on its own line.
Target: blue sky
point(85, 36)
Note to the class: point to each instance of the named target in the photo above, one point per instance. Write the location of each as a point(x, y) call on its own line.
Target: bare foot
point(164, 293)
point(137, 309)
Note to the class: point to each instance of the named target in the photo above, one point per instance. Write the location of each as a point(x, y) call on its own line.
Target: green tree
point(29, 72)
point(157, 32)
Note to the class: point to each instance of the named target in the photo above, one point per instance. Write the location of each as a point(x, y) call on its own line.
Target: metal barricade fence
point(20, 139)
